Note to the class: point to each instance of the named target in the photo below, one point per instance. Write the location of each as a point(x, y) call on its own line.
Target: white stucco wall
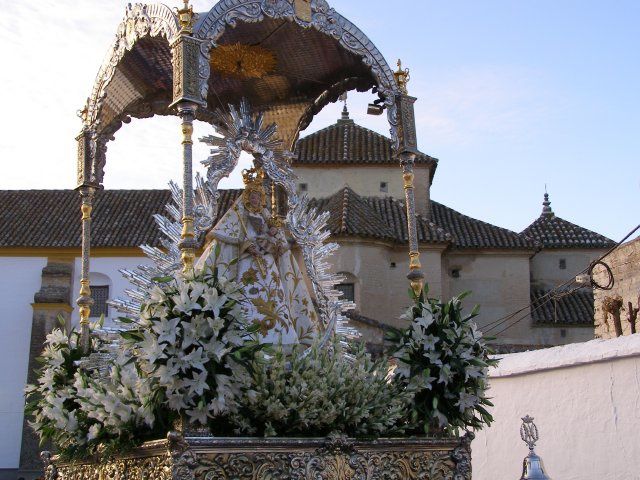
point(498, 282)
point(325, 181)
point(103, 271)
point(20, 280)
point(381, 290)
point(585, 399)
point(545, 265)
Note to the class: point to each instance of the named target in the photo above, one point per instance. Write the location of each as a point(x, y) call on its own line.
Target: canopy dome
point(289, 58)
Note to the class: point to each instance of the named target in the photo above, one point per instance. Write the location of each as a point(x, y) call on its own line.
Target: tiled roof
point(374, 217)
point(123, 218)
point(51, 218)
point(575, 308)
point(555, 232)
point(468, 232)
point(346, 143)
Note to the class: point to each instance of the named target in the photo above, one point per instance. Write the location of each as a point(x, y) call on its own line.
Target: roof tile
point(571, 308)
point(346, 143)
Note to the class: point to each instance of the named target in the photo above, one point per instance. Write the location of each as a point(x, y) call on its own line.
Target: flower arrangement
point(194, 344)
point(323, 391)
point(443, 359)
point(191, 355)
point(79, 413)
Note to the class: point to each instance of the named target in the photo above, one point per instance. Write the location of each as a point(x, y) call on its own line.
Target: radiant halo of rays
point(240, 131)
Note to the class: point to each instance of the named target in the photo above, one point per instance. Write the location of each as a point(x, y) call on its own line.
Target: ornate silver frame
point(336, 457)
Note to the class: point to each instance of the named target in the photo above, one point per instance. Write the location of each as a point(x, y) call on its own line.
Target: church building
point(348, 171)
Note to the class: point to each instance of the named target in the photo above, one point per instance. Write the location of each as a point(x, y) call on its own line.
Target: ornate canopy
point(286, 58)
point(289, 58)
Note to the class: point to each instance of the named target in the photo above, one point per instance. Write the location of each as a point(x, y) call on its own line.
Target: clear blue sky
point(511, 95)
point(515, 94)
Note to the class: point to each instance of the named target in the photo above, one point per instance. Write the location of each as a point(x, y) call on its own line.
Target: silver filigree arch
point(140, 20)
point(324, 19)
point(240, 131)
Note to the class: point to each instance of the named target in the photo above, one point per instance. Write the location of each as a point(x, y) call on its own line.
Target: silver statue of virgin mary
point(248, 245)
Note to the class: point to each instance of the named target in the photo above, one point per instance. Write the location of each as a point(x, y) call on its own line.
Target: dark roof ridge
point(469, 232)
point(419, 216)
point(346, 123)
point(552, 231)
point(345, 208)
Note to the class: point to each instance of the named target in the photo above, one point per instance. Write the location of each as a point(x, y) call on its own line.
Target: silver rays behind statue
point(240, 131)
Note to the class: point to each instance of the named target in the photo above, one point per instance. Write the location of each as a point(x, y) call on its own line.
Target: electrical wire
point(556, 293)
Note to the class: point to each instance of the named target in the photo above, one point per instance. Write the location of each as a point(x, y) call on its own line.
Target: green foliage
point(324, 391)
point(192, 354)
point(443, 360)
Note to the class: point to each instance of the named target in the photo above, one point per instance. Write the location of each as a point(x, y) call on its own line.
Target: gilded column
point(85, 301)
point(407, 150)
point(91, 151)
point(187, 96)
point(187, 111)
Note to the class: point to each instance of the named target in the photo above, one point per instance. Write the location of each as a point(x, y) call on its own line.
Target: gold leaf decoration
point(244, 61)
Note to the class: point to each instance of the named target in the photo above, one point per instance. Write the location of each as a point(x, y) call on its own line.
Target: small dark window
point(392, 264)
point(348, 291)
point(455, 273)
point(384, 187)
point(562, 264)
point(302, 187)
point(100, 295)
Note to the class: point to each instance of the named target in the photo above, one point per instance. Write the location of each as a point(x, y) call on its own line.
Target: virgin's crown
point(253, 176)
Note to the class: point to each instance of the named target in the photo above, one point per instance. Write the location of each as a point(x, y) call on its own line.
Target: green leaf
point(132, 335)
point(125, 320)
point(412, 294)
point(165, 279)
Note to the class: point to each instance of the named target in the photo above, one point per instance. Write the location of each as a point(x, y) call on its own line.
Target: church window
point(562, 264)
point(455, 273)
point(384, 187)
point(100, 295)
point(302, 187)
point(348, 291)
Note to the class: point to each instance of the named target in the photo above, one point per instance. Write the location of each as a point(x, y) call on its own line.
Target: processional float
point(242, 67)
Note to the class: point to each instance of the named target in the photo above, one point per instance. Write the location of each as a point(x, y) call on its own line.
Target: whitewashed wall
point(585, 399)
point(20, 279)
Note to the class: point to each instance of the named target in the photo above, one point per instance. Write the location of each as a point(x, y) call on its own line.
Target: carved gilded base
point(333, 458)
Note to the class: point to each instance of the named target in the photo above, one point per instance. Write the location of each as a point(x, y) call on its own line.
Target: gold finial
point(402, 77)
point(186, 17)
